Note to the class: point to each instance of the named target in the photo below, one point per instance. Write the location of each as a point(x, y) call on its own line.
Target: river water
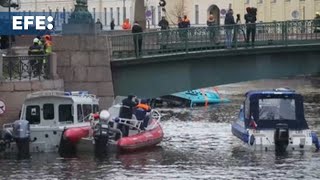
point(198, 144)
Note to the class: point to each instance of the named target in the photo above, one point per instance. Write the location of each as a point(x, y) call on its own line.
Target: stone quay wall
point(14, 94)
point(83, 62)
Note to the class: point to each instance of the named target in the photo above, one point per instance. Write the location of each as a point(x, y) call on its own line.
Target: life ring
point(252, 139)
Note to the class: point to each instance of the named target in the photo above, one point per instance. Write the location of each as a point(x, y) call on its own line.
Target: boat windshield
point(277, 109)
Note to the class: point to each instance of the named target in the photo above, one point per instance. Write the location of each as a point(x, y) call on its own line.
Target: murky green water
point(198, 145)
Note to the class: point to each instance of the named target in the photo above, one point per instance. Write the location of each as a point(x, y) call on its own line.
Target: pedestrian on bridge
point(251, 18)
point(316, 23)
point(164, 24)
point(137, 38)
point(229, 24)
point(211, 23)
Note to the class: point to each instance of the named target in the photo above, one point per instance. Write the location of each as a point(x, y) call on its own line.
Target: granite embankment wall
point(14, 93)
point(84, 64)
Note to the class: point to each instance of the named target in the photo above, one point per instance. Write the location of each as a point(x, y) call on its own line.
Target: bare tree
point(179, 10)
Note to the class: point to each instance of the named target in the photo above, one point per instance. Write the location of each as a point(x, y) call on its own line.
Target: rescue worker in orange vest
point(141, 113)
point(47, 46)
point(126, 25)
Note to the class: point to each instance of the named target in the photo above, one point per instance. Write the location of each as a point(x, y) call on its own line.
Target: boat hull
point(141, 140)
point(264, 139)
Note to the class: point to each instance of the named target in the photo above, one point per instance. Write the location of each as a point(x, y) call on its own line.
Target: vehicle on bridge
point(191, 98)
point(274, 120)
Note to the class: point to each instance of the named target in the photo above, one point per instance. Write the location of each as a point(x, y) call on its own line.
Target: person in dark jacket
point(126, 112)
point(164, 24)
point(36, 64)
point(137, 38)
point(112, 24)
point(229, 24)
point(316, 23)
point(251, 18)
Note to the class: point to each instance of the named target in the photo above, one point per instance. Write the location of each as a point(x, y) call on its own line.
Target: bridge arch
point(215, 11)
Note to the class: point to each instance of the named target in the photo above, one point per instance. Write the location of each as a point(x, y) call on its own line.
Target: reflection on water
point(198, 145)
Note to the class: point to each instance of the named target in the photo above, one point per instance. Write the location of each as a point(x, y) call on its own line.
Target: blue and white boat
point(191, 98)
point(274, 120)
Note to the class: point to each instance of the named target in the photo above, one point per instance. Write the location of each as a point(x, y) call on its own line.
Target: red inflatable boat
point(141, 140)
point(74, 134)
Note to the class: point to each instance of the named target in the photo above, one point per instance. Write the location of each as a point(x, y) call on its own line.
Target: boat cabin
point(264, 109)
point(48, 108)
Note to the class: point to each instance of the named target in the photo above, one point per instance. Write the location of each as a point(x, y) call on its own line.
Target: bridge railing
point(40, 67)
point(177, 41)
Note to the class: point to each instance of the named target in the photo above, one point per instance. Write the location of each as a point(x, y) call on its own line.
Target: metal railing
point(183, 41)
point(26, 67)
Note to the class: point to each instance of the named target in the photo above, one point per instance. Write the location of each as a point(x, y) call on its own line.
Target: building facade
point(278, 10)
point(197, 10)
point(106, 10)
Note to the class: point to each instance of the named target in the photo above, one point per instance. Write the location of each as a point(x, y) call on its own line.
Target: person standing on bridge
point(251, 18)
point(137, 38)
point(211, 23)
point(164, 24)
point(316, 23)
point(229, 25)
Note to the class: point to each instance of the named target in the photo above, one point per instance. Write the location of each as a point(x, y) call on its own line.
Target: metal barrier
point(177, 41)
point(26, 67)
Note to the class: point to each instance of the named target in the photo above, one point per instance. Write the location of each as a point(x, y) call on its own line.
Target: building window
point(153, 19)
point(48, 111)
point(124, 13)
point(260, 1)
point(196, 14)
point(273, 1)
point(105, 17)
point(159, 13)
point(94, 14)
point(57, 19)
point(247, 2)
point(65, 113)
point(111, 13)
point(118, 15)
point(50, 12)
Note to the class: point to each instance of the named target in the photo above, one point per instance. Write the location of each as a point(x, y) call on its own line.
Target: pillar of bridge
point(139, 13)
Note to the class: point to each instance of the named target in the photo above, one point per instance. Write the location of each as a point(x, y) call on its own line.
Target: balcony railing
point(19, 68)
point(176, 41)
